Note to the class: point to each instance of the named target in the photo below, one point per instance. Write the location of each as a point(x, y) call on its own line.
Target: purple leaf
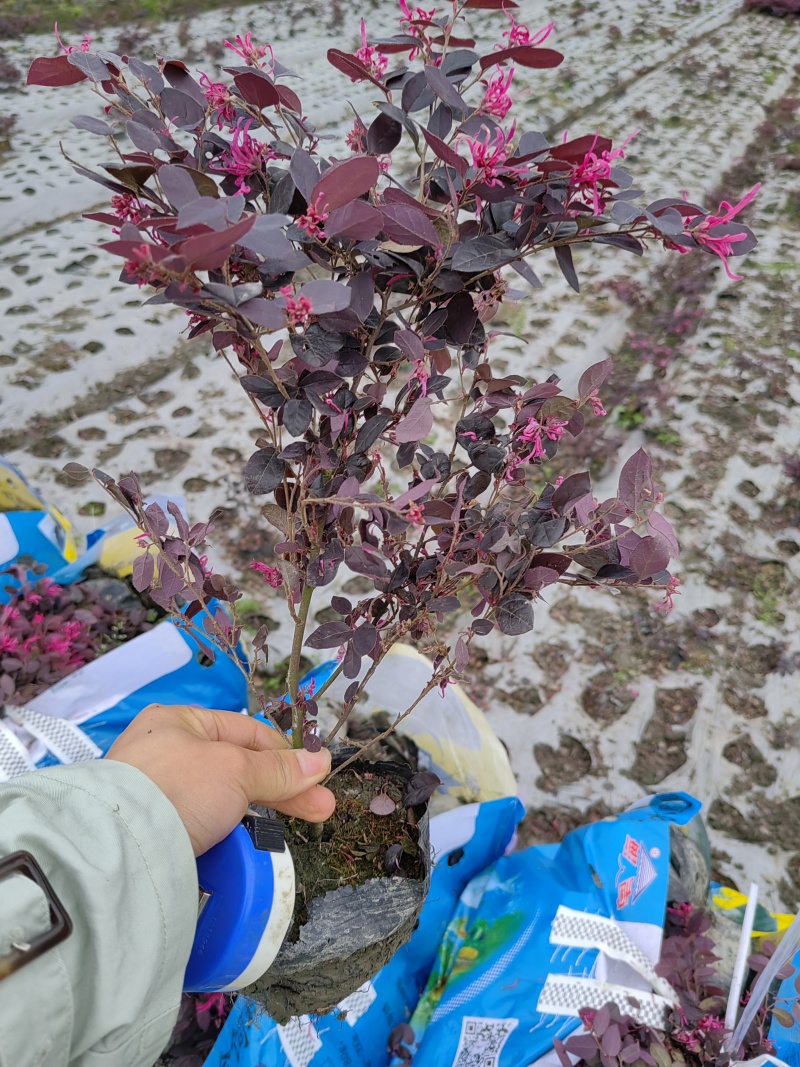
point(178, 187)
point(571, 490)
point(55, 71)
point(180, 521)
point(525, 54)
point(564, 260)
point(181, 109)
point(416, 492)
point(649, 557)
point(461, 655)
point(304, 172)
point(409, 225)
point(362, 562)
point(330, 635)
point(445, 153)
point(271, 314)
point(326, 296)
point(593, 377)
point(417, 424)
point(263, 472)
point(514, 615)
point(157, 519)
point(612, 1041)
point(602, 1020)
point(351, 664)
point(347, 181)
point(143, 572)
point(635, 483)
point(383, 135)
point(444, 89)
point(257, 88)
point(209, 251)
point(352, 67)
point(410, 344)
point(421, 788)
point(358, 220)
point(658, 526)
point(382, 804)
point(92, 125)
point(312, 743)
point(365, 638)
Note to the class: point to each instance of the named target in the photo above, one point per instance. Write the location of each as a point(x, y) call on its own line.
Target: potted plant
point(351, 292)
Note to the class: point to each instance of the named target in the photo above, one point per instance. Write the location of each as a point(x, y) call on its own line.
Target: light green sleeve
point(119, 858)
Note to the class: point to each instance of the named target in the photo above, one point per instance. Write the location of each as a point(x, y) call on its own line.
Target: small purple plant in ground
point(47, 631)
point(695, 1032)
point(351, 293)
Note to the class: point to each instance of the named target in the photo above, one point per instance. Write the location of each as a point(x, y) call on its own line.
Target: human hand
point(213, 764)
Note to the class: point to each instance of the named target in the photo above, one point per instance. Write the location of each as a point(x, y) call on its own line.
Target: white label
point(358, 1003)
point(299, 1040)
point(9, 545)
point(482, 1041)
point(104, 682)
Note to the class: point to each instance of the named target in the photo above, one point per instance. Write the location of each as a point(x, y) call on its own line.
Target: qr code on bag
point(482, 1041)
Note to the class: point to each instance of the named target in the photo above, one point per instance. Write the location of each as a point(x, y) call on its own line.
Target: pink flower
point(355, 138)
point(272, 576)
point(532, 432)
point(518, 34)
point(49, 587)
point(594, 170)
point(309, 689)
point(421, 374)
point(219, 100)
point(72, 630)
point(84, 46)
point(143, 267)
point(313, 219)
point(245, 157)
point(597, 405)
point(298, 311)
point(415, 515)
point(671, 591)
point(8, 643)
point(489, 154)
point(211, 1002)
point(410, 16)
point(375, 63)
point(127, 208)
point(721, 244)
point(59, 645)
point(251, 53)
point(496, 100)
point(711, 1024)
point(683, 909)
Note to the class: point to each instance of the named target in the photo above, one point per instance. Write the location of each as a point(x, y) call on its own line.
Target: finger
point(236, 729)
point(315, 805)
point(273, 777)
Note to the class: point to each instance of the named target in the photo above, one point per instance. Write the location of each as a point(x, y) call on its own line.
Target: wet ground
point(606, 700)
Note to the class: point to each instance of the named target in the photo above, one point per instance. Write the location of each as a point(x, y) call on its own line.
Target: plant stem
point(294, 665)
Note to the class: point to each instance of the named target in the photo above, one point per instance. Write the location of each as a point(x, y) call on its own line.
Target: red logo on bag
point(630, 886)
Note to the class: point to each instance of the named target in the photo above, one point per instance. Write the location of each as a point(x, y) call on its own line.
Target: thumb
point(280, 774)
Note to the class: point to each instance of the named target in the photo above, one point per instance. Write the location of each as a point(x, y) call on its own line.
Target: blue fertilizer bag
point(470, 979)
point(482, 1001)
point(464, 841)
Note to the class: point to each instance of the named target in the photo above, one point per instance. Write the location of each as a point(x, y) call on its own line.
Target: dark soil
point(354, 842)
point(662, 748)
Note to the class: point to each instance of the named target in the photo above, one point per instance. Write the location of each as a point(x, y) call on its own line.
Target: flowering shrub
point(352, 295)
point(47, 631)
point(696, 1033)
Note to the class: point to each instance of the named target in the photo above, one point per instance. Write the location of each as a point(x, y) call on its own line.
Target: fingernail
point(313, 764)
